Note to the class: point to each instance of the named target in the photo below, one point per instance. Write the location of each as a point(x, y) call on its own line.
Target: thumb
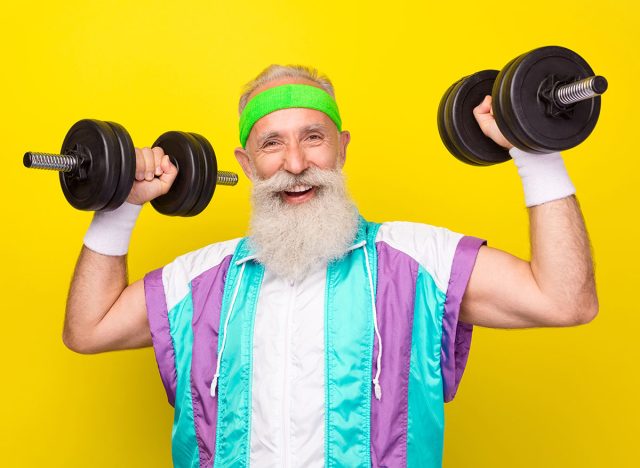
point(483, 113)
point(484, 107)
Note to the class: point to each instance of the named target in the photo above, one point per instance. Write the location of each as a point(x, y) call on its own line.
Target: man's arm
point(103, 313)
point(557, 287)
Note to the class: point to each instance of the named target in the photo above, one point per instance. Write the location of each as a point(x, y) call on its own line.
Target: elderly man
point(321, 338)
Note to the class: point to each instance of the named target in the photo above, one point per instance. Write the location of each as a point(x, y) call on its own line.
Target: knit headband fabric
point(285, 97)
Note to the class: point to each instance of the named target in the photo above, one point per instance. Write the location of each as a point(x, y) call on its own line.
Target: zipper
point(286, 400)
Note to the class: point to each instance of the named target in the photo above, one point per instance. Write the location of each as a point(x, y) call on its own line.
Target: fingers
point(163, 175)
point(484, 115)
point(145, 165)
point(484, 107)
point(139, 165)
point(169, 173)
point(149, 163)
point(158, 153)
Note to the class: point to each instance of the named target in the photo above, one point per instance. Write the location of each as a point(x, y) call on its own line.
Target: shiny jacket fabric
point(419, 274)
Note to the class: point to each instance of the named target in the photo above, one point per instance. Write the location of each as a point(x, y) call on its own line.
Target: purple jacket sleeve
point(160, 333)
point(456, 335)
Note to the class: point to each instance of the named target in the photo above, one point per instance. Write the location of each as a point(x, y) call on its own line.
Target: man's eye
point(315, 137)
point(269, 143)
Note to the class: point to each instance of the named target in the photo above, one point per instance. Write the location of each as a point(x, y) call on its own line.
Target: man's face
point(292, 140)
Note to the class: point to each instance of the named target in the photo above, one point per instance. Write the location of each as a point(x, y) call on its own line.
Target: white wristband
point(544, 177)
point(110, 231)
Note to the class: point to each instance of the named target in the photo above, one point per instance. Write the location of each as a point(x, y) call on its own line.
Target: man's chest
point(288, 372)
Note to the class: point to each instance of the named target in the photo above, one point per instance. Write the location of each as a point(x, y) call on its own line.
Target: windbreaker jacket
point(387, 311)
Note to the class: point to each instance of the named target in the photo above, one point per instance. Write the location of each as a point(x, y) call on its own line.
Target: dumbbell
point(97, 168)
point(545, 100)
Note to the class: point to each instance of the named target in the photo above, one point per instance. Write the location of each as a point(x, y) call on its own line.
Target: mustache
point(283, 181)
point(290, 240)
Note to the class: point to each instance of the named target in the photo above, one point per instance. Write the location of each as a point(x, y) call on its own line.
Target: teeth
point(300, 188)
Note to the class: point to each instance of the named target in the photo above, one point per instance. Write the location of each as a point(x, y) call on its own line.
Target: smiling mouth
point(298, 190)
point(298, 194)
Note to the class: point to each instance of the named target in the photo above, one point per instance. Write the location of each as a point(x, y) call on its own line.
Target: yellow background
point(553, 398)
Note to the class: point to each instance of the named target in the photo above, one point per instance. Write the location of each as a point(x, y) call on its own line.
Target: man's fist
point(484, 115)
point(154, 175)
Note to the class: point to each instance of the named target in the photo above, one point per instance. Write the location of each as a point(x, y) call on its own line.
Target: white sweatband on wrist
point(110, 231)
point(544, 177)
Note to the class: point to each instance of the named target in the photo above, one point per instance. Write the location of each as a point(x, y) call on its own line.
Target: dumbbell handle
point(581, 90)
point(68, 163)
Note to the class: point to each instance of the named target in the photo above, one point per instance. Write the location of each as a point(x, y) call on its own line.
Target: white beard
point(290, 240)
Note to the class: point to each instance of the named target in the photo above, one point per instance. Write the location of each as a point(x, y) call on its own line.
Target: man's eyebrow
point(306, 129)
point(313, 127)
point(265, 136)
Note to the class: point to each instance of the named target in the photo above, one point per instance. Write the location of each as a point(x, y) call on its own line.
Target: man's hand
point(103, 313)
point(154, 175)
point(484, 115)
point(557, 287)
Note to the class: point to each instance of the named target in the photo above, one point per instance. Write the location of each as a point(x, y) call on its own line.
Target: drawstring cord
point(214, 382)
point(376, 380)
point(377, 389)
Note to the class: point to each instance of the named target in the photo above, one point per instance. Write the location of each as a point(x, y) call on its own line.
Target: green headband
point(286, 97)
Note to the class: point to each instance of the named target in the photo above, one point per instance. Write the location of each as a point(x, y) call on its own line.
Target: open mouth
point(298, 194)
point(298, 190)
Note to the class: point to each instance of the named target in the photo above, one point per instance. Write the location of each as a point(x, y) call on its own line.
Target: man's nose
point(295, 160)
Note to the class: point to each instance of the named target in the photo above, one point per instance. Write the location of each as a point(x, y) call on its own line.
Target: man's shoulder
point(192, 264)
point(410, 235)
point(178, 275)
point(432, 247)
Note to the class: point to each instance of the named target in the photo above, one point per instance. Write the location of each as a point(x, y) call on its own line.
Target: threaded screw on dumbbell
point(227, 178)
point(581, 90)
point(69, 163)
point(51, 162)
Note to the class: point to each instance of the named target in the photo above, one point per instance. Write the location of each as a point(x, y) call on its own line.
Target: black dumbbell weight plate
point(184, 151)
point(540, 130)
point(127, 167)
point(93, 188)
point(514, 125)
point(463, 126)
point(200, 187)
point(450, 128)
point(442, 128)
point(504, 119)
point(210, 175)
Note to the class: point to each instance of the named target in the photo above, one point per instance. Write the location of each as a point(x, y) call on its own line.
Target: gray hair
point(274, 72)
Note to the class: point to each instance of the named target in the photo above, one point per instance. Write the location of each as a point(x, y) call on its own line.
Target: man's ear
point(345, 138)
point(243, 159)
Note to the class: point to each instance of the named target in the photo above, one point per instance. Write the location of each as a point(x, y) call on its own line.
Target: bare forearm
point(561, 261)
point(555, 288)
point(97, 283)
point(103, 312)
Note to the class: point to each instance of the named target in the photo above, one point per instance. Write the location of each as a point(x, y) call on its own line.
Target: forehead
point(292, 120)
point(288, 120)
